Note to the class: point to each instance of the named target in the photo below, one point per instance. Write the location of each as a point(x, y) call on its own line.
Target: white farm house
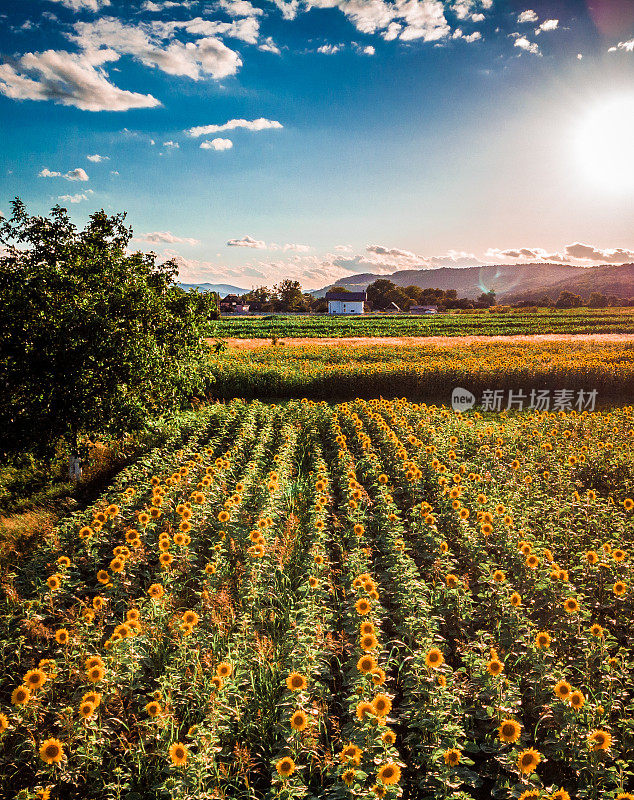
point(345, 302)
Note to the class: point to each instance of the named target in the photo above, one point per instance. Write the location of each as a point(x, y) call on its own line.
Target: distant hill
point(613, 279)
point(509, 281)
point(222, 288)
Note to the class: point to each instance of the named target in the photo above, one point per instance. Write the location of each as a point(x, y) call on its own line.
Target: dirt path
point(433, 341)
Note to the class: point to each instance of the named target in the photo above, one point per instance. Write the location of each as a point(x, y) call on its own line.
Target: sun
point(604, 144)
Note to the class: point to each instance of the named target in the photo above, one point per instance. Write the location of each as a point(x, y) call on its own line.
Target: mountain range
point(511, 282)
point(222, 289)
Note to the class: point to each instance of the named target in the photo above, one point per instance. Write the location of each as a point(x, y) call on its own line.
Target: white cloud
point(146, 43)
point(97, 159)
point(473, 37)
point(463, 8)
point(527, 16)
point(587, 252)
point(74, 198)
point(83, 5)
point(247, 241)
point(73, 175)
point(477, 18)
point(369, 50)
point(258, 244)
point(166, 237)
point(170, 143)
point(70, 79)
point(217, 144)
point(240, 8)
point(250, 125)
point(288, 8)
point(628, 47)
point(572, 253)
point(529, 47)
point(269, 46)
point(548, 25)
point(329, 49)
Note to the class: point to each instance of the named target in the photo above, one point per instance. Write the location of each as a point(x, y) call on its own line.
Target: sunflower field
point(307, 600)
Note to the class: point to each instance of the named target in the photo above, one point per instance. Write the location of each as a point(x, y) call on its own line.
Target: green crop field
point(375, 599)
point(448, 324)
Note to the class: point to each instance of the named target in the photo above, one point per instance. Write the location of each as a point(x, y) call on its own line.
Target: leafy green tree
point(379, 291)
point(290, 297)
point(94, 338)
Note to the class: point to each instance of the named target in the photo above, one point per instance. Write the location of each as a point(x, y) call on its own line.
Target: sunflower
point(54, 582)
point(92, 697)
point(591, 557)
point(190, 618)
point(528, 760)
point(562, 794)
point(62, 636)
point(532, 562)
point(223, 516)
point(389, 774)
point(562, 689)
point(366, 664)
point(210, 569)
point(628, 504)
point(621, 796)
point(299, 721)
point(509, 731)
point(362, 606)
point(359, 529)
point(379, 791)
point(516, 600)
point(452, 757)
point(618, 554)
point(599, 740)
point(528, 794)
point(596, 630)
point(166, 559)
point(382, 705)
point(93, 661)
point(285, 767)
point(86, 709)
point(619, 588)
point(349, 776)
point(217, 682)
point(576, 699)
point(98, 602)
point(35, 679)
point(20, 696)
point(351, 753)
point(96, 674)
point(378, 676)
point(224, 669)
point(51, 751)
point(296, 682)
point(4, 723)
point(499, 576)
point(153, 708)
point(363, 709)
point(388, 738)
point(178, 753)
point(434, 658)
point(451, 580)
point(313, 582)
point(542, 640)
point(156, 591)
point(495, 667)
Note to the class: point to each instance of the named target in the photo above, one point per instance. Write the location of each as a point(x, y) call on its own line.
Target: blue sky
point(318, 138)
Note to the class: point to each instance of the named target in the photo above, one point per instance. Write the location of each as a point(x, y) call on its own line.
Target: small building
point(229, 303)
point(345, 302)
point(423, 309)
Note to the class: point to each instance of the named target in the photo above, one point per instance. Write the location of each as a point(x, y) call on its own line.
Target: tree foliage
point(93, 337)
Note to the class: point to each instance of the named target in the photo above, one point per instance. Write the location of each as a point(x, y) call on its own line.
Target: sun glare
point(605, 144)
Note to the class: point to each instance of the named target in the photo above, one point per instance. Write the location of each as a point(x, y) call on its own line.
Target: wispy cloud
point(166, 237)
point(73, 175)
point(259, 124)
point(216, 144)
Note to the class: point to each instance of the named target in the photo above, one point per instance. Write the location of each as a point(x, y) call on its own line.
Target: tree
point(597, 300)
point(378, 292)
point(93, 338)
point(487, 299)
point(290, 295)
point(568, 300)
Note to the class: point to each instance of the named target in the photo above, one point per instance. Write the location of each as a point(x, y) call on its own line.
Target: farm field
point(371, 599)
point(423, 373)
point(515, 321)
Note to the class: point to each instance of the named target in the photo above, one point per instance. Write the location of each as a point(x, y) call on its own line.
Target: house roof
point(349, 296)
